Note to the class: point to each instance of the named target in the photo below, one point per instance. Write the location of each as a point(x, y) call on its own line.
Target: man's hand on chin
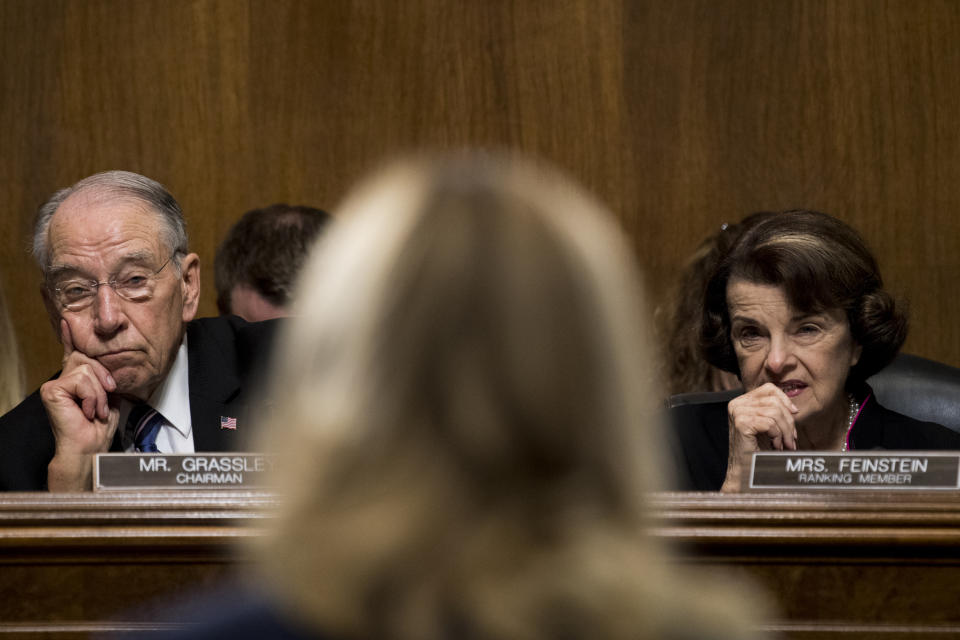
point(82, 416)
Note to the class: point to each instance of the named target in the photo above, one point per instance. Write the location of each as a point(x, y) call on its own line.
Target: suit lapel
point(214, 385)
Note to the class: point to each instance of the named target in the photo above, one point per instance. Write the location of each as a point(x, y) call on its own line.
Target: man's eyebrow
point(56, 270)
point(137, 256)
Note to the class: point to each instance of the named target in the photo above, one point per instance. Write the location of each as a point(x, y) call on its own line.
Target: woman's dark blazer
point(700, 440)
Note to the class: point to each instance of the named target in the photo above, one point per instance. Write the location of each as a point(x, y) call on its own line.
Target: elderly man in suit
point(138, 372)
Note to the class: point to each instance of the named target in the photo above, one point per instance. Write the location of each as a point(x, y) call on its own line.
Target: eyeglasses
point(136, 284)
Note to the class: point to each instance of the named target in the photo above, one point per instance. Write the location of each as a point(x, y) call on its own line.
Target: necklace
point(853, 410)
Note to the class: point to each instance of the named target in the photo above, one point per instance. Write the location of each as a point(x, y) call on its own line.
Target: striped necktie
point(144, 423)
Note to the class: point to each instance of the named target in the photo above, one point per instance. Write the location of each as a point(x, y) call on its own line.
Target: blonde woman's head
point(464, 408)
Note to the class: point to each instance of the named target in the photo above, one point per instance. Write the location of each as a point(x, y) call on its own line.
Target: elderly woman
point(798, 311)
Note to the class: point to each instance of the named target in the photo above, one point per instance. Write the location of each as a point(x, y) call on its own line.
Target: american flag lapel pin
point(228, 423)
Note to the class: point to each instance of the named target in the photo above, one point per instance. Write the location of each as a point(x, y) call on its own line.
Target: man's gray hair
point(121, 184)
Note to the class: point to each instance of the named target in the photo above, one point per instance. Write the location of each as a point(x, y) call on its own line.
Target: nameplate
point(887, 470)
point(180, 470)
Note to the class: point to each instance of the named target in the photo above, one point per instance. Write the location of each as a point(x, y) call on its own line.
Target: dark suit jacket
point(700, 439)
point(227, 358)
point(229, 610)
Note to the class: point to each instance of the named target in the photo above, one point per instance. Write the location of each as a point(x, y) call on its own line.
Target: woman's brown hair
point(820, 263)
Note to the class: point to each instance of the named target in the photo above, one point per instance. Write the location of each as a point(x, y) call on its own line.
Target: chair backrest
point(920, 388)
point(917, 387)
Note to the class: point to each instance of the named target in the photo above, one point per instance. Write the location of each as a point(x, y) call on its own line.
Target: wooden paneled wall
point(679, 114)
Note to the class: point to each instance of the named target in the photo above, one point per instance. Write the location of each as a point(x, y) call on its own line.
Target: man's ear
point(190, 285)
point(53, 311)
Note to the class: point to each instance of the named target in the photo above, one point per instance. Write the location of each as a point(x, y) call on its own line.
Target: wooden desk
point(839, 565)
point(877, 565)
point(72, 564)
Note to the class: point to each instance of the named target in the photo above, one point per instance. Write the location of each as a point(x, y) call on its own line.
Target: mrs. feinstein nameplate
point(180, 470)
point(885, 470)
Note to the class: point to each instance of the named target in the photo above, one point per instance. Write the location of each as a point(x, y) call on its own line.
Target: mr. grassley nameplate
point(180, 470)
point(855, 470)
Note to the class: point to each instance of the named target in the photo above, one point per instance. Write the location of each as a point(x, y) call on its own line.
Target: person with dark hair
point(798, 311)
point(686, 368)
point(257, 263)
point(139, 373)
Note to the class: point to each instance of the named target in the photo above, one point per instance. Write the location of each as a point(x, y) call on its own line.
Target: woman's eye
point(748, 333)
point(808, 330)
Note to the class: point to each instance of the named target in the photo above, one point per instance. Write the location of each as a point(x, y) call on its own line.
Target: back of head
point(265, 251)
point(466, 414)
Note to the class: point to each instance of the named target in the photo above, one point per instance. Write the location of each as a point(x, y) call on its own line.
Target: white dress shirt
point(172, 401)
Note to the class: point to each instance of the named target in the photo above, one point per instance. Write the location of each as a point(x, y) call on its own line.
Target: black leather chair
point(920, 388)
point(914, 386)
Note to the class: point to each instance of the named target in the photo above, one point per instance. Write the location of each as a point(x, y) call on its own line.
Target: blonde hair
point(466, 419)
point(11, 369)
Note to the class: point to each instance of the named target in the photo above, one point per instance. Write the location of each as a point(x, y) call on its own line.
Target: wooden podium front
point(75, 565)
point(837, 565)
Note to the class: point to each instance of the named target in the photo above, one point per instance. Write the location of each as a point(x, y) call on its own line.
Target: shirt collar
point(172, 397)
